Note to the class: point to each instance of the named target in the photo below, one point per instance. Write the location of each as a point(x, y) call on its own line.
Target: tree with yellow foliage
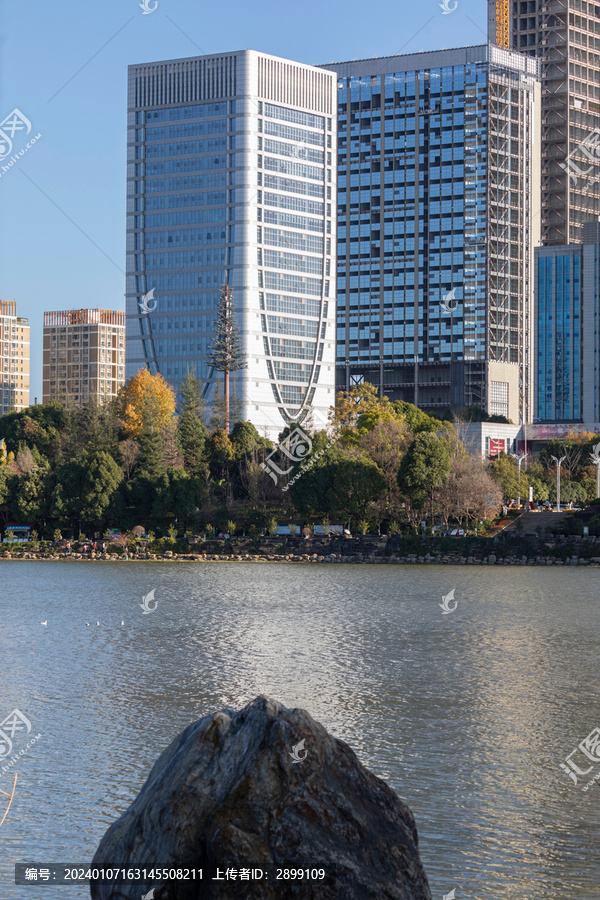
point(360, 399)
point(147, 403)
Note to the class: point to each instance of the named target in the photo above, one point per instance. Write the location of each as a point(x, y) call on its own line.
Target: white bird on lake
point(97, 623)
point(88, 624)
point(122, 622)
point(44, 623)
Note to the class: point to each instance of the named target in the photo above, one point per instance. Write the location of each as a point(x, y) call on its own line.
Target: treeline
point(153, 459)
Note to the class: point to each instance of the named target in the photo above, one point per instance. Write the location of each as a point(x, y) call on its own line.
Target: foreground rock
point(227, 793)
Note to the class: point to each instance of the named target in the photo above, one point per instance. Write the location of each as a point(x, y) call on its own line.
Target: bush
point(57, 535)
point(257, 517)
point(293, 528)
point(393, 528)
point(326, 525)
point(272, 525)
point(221, 517)
point(172, 532)
point(362, 526)
point(230, 528)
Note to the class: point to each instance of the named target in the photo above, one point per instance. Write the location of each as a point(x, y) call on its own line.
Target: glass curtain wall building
point(437, 220)
point(567, 325)
point(564, 35)
point(231, 173)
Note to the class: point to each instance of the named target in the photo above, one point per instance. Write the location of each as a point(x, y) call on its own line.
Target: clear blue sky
point(64, 64)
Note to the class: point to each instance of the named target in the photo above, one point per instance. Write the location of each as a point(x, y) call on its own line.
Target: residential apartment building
point(14, 358)
point(567, 331)
point(438, 216)
point(232, 175)
point(83, 355)
point(564, 35)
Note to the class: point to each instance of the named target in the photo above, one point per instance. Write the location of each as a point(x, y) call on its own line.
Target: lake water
point(467, 715)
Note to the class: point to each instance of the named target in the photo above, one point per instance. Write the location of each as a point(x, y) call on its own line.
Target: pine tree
point(226, 354)
point(191, 430)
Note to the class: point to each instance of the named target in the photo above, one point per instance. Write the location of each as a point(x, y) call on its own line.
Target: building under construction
point(564, 36)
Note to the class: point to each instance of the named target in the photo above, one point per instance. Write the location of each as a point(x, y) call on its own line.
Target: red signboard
point(497, 446)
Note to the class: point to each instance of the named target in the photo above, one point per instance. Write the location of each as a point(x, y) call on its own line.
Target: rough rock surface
point(227, 793)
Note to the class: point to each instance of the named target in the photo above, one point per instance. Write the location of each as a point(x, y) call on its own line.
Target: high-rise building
point(231, 173)
point(564, 35)
point(567, 331)
point(84, 355)
point(437, 220)
point(14, 358)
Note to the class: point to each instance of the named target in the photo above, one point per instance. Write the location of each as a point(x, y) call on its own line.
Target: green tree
point(37, 426)
point(505, 472)
point(424, 467)
point(85, 489)
point(226, 354)
point(176, 494)
point(340, 488)
point(220, 457)
point(8, 481)
point(191, 430)
point(417, 420)
point(33, 496)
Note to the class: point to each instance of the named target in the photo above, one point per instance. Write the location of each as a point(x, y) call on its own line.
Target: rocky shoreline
point(547, 550)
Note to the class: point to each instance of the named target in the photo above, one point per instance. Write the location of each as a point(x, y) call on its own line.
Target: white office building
point(232, 173)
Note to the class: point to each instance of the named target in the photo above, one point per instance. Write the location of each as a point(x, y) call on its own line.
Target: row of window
point(309, 154)
point(298, 327)
point(297, 284)
point(300, 170)
point(181, 260)
point(299, 306)
point(178, 281)
point(181, 184)
point(166, 167)
point(183, 148)
point(305, 242)
point(291, 221)
point(210, 198)
point(306, 206)
point(184, 112)
point(289, 349)
point(215, 126)
point(293, 134)
point(184, 238)
point(277, 183)
point(189, 217)
point(275, 259)
point(286, 371)
point(310, 120)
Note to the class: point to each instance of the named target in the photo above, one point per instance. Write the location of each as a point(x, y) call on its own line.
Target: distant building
point(14, 358)
point(564, 35)
point(438, 215)
point(567, 331)
point(84, 355)
point(231, 173)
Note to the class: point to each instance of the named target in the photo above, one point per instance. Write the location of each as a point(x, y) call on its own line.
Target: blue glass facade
point(177, 335)
point(435, 224)
point(563, 302)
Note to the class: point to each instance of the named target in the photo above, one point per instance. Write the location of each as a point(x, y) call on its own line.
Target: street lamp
point(559, 463)
point(595, 458)
point(519, 458)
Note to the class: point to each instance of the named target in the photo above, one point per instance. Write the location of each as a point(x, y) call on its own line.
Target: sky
point(63, 65)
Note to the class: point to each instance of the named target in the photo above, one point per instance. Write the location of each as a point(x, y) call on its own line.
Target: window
point(499, 398)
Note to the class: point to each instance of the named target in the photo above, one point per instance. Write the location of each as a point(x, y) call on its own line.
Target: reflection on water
point(467, 716)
